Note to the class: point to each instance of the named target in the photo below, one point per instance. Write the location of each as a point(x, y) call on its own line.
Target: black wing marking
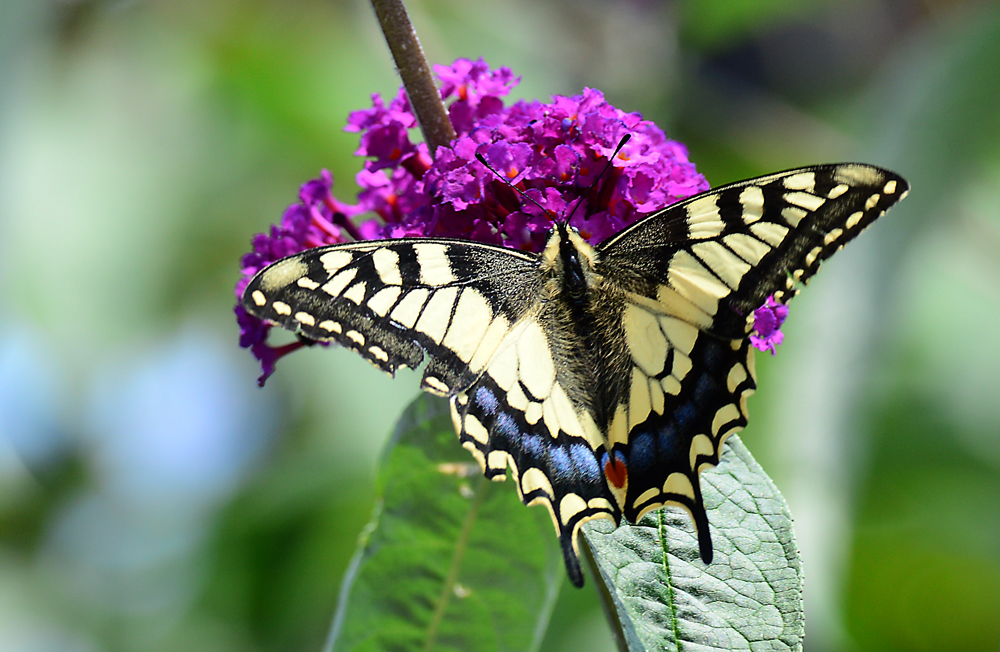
point(728, 249)
point(393, 300)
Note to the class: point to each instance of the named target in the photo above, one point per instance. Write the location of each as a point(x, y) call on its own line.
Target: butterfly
point(607, 377)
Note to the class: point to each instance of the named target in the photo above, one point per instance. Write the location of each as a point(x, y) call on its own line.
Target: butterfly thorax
point(581, 313)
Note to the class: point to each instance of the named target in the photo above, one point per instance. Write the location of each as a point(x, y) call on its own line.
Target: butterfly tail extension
point(700, 517)
point(572, 558)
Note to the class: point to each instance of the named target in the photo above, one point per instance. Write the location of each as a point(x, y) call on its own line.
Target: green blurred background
point(153, 499)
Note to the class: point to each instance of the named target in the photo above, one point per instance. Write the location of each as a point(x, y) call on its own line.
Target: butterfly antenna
point(607, 166)
point(482, 159)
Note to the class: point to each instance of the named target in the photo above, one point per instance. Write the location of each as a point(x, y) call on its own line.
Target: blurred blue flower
point(170, 434)
point(31, 398)
point(177, 429)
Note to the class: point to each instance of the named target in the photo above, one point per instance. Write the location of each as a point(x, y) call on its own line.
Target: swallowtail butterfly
point(605, 378)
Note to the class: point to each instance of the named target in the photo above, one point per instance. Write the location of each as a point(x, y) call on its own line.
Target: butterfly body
point(605, 378)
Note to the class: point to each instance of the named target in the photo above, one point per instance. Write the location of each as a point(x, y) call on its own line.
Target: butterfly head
point(569, 259)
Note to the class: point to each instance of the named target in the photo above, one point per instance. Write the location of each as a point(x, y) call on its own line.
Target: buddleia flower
point(553, 152)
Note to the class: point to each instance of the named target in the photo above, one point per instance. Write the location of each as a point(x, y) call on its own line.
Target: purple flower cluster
point(553, 152)
point(766, 321)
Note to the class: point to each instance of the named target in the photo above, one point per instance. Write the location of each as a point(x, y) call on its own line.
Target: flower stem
point(415, 73)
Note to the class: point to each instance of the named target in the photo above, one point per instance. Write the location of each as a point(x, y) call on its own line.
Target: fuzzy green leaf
point(450, 560)
point(748, 598)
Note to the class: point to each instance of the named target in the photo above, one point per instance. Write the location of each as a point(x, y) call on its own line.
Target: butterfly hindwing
point(393, 300)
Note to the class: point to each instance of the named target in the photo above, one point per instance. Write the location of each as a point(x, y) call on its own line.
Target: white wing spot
point(435, 384)
point(435, 268)
point(682, 366)
point(832, 236)
point(769, 232)
point(724, 415)
point(330, 325)
point(337, 284)
point(812, 255)
point(679, 484)
point(857, 175)
point(645, 497)
point(433, 321)
point(357, 292)
point(793, 215)
point(534, 479)
point(570, 506)
point(282, 273)
point(476, 453)
point(534, 413)
point(639, 403)
point(497, 461)
point(752, 199)
point(703, 218)
point(535, 367)
point(746, 247)
point(801, 181)
point(408, 309)
point(726, 265)
point(474, 428)
point(384, 300)
point(600, 503)
point(490, 341)
point(805, 200)
point(692, 280)
point(853, 220)
point(387, 265)
point(517, 398)
point(872, 201)
point(671, 386)
point(890, 187)
point(356, 337)
point(305, 318)
point(378, 353)
point(645, 339)
point(681, 334)
point(258, 297)
point(700, 445)
point(336, 260)
point(468, 326)
point(837, 191)
point(307, 283)
point(282, 308)
point(656, 395)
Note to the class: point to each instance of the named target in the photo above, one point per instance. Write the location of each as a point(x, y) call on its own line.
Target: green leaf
point(748, 598)
point(450, 560)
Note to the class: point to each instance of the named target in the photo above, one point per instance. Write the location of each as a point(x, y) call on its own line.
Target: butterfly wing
point(532, 410)
point(728, 249)
point(392, 301)
point(690, 278)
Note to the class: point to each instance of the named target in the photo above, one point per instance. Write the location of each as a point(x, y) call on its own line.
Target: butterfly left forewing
point(392, 301)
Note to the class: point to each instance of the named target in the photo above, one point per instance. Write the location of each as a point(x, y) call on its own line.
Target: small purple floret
point(552, 151)
point(767, 320)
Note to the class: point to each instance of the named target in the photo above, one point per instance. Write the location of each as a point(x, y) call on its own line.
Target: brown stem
point(415, 73)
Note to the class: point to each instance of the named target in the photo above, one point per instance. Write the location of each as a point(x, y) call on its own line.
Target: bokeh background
point(152, 498)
